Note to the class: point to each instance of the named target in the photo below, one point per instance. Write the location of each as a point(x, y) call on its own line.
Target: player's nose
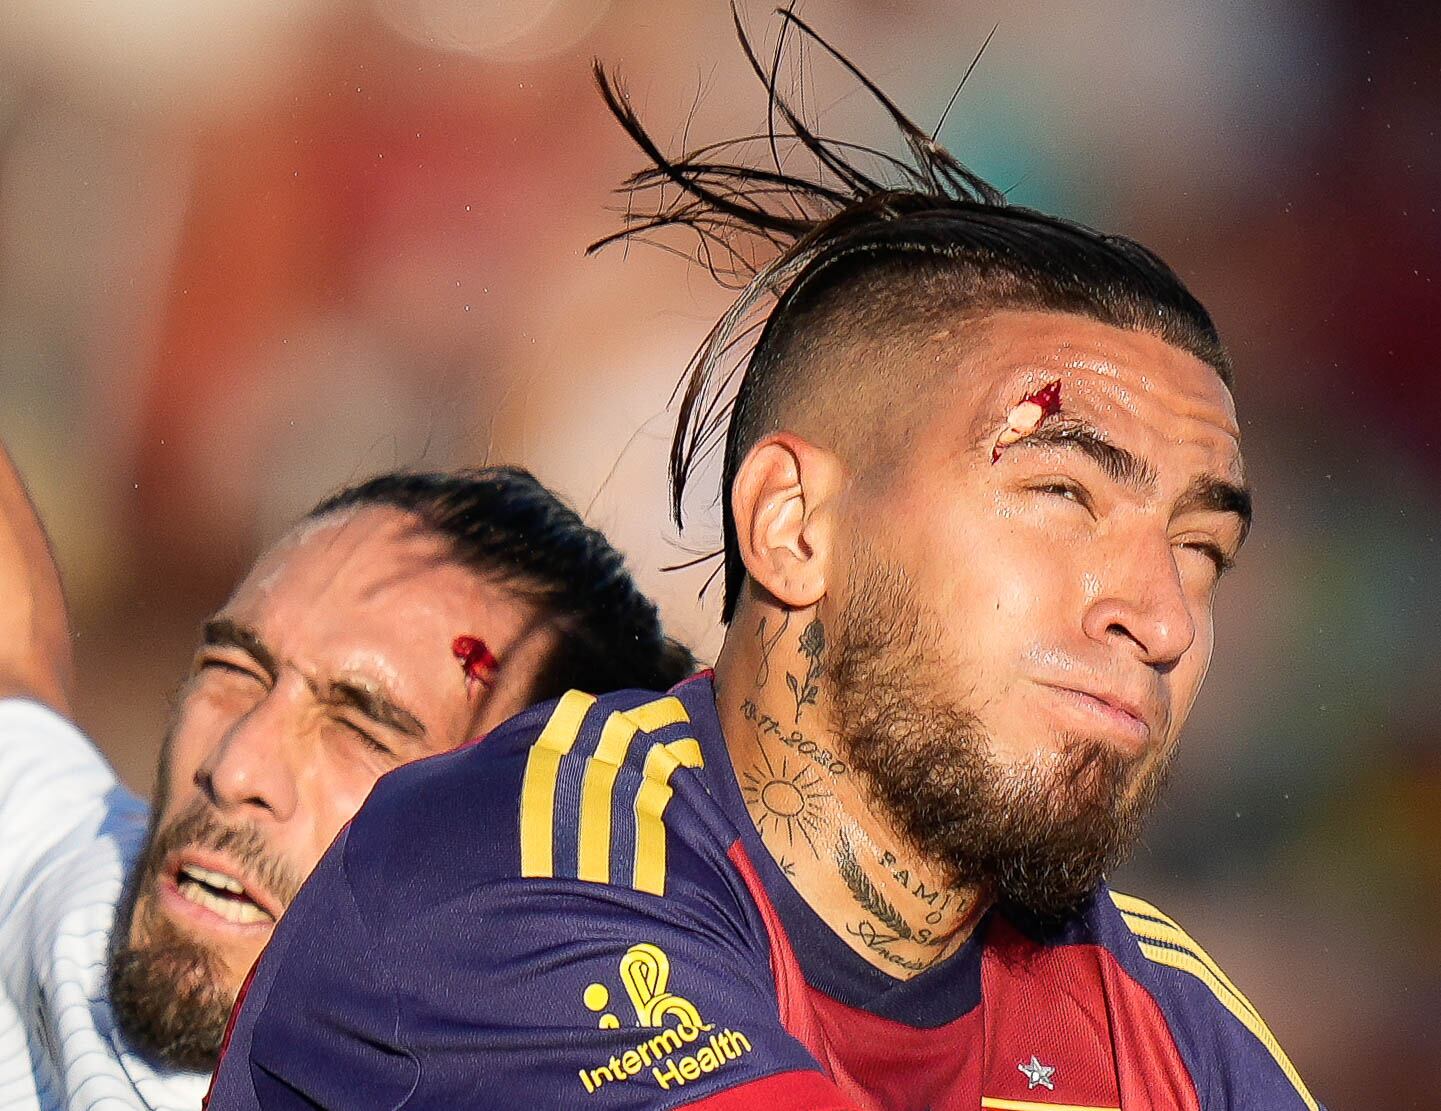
point(247, 768)
point(1141, 604)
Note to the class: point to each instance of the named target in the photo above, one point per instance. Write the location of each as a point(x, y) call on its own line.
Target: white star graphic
point(1038, 1074)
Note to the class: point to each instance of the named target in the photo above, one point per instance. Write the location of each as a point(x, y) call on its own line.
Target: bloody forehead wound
point(476, 659)
point(1027, 415)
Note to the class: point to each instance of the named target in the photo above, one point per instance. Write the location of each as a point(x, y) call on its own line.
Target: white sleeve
point(53, 784)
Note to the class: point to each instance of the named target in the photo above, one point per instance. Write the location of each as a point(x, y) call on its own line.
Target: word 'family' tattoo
point(767, 726)
point(813, 643)
point(937, 899)
point(768, 645)
point(784, 801)
point(877, 941)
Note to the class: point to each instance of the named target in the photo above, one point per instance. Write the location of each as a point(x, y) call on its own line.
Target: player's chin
point(172, 993)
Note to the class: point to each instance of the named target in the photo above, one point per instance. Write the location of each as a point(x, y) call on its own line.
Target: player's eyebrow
point(225, 632)
point(1073, 434)
point(1219, 495)
point(376, 705)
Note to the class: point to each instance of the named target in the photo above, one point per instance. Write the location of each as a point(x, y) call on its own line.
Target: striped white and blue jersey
point(68, 834)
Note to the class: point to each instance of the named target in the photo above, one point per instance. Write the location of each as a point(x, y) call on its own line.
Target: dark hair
point(871, 245)
point(502, 523)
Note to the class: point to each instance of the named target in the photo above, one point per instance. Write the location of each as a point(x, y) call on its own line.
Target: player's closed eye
point(365, 737)
point(1068, 490)
point(220, 665)
point(1213, 552)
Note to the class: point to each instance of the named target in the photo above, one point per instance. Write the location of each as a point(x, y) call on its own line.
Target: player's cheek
point(1030, 587)
point(194, 735)
point(334, 787)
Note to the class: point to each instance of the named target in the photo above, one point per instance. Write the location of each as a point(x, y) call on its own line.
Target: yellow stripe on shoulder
point(1151, 924)
point(597, 790)
point(650, 716)
point(537, 792)
point(650, 803)
point(593, 816)
point(1031, 1105)
point(1164, 942)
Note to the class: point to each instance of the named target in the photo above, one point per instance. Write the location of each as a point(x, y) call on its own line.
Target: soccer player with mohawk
point(982, 477)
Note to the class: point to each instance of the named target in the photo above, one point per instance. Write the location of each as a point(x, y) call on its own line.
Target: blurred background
point(254, 249)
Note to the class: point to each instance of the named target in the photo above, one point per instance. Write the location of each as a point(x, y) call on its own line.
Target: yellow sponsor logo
point(645, 974)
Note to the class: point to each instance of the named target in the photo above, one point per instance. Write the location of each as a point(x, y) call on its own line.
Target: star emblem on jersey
point(1037, 1074)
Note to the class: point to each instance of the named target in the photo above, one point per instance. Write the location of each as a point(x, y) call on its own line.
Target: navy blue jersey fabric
point(578, 912)
point(418, 968)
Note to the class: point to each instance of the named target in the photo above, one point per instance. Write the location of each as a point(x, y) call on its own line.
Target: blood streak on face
point(1027, 416)
point(476, 659)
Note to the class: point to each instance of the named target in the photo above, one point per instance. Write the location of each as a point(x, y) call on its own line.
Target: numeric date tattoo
point(768, 726)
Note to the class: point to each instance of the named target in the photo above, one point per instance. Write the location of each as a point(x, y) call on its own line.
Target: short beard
point(1039, 837)
point(167, 990)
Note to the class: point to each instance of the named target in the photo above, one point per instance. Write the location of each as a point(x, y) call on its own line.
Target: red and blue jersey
point(578, 912)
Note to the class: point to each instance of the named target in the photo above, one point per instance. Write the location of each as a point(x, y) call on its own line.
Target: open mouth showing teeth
point(221, 894)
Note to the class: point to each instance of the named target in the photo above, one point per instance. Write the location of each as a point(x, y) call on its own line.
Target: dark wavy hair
point(504, 524)
point(870, 245)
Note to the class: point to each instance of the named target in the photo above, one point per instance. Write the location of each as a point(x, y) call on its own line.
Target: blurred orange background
point(253, 249)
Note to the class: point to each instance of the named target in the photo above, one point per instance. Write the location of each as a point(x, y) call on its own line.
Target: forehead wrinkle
point(388, 556)
point(274, 564)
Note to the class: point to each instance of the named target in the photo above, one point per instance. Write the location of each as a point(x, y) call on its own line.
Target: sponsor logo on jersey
point(684, 1046)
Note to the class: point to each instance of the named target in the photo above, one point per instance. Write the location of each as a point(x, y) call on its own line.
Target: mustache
point(198, 827)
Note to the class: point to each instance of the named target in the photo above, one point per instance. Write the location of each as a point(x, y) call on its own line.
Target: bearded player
point(982, 478)
point(399, 619)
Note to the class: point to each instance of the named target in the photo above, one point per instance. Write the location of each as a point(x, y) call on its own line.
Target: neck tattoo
point(798, 789)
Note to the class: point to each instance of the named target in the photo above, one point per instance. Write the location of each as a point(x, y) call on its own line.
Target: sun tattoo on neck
point(785, 801)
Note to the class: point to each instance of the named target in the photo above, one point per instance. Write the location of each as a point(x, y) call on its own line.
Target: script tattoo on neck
point(768, 645)
point(878, 941)
point(784, 801)
point(812, 644)
point(937, 899)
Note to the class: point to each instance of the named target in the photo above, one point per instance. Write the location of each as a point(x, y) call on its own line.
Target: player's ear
point(782, 501)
